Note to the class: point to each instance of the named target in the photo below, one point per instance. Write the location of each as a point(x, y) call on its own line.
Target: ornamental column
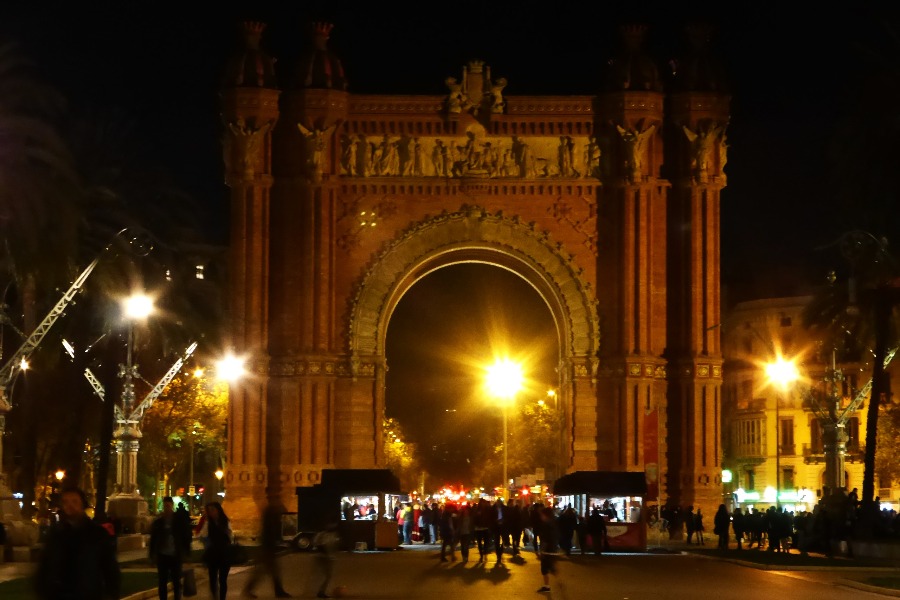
point(249, 112)
point(632, 263)
point(697, 155)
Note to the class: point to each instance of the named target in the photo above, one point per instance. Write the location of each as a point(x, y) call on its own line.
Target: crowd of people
point(79, 557)
point(828, 526)
point(494, 527)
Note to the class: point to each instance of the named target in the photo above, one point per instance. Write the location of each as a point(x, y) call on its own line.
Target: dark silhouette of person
point(79, 558)
point(568, 522)
point(690, 524)
point(218, 538)
point(721, 525)
point(549, 546)
point(170, 545)
point(270, 542)
point(597, 529)
point(481, 513)
point(739, 526)
point(326, 543)
point(448, 532)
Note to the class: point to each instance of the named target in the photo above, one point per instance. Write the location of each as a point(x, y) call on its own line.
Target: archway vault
point(474, 235)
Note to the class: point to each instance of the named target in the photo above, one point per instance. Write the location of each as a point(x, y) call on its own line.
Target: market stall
point(619, 496)
point(358, 500)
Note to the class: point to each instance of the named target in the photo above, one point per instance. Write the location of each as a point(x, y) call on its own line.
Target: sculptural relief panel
point(472, 155)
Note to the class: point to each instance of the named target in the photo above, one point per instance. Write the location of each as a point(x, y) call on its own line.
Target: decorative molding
point(474, 229)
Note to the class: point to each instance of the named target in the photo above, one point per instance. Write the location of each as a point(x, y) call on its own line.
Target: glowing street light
point(230, 368)
point(137, 307)
point(782, 373)
point(504, 380)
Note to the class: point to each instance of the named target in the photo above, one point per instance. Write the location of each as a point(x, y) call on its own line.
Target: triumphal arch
point(608, 205)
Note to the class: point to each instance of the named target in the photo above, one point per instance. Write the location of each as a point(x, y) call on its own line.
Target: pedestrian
point(465, 530)
point(737, 523)
point(495, 525)
point(549, 549)
point(219, 539)
point(448, 532)
point(326, 543)
point(698, 526)
point(568, 523)
point(426, 515)
point(597, 530)
point(170, 545)
point(690, 524)
point(79, 558)
point(721, 525)
point(407, 523)
point(270, 543)
point(515, 516)
point(534, 520)
point(482, 515)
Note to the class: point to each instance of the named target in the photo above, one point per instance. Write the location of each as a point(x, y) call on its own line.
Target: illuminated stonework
point(342, 202)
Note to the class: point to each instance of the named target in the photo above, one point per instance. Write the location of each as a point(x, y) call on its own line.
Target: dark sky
point(791, 74)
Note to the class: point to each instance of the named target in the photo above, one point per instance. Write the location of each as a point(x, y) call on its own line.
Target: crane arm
point(866, 389)
point(101, 392)
point(11, 368)
point(153, 394)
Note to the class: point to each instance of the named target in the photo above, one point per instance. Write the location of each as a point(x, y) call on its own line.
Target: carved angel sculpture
point(635, 149)
point(242, 146)
point(317, 140)
point(702, 144)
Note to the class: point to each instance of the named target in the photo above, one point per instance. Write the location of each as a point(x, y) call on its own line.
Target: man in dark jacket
point(170, 544)
point(79, 558)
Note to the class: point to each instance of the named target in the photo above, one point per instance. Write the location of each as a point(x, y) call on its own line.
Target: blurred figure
point(448, 532)
point(218, 539)
point(170, 544)
point(79, 558)
point(326, 543)
point(721, 525)
point(270, 542)
point(549, 536)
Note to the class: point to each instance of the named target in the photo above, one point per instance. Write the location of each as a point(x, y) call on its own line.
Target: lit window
point(199, 273)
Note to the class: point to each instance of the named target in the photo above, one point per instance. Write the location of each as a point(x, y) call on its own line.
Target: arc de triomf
point(608, 205)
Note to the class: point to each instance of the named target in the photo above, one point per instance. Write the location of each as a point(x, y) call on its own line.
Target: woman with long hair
point(217, 537)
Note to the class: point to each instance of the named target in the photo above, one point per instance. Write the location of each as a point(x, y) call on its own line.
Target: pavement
point(416, 572)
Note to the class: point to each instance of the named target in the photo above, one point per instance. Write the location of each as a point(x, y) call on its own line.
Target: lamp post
point(191, 488)
point(128, 504)
point(504, 379)
point(781, 373)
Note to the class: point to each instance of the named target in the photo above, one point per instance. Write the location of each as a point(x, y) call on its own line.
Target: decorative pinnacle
point(252, 32)
point(322, 29)
point(475, 66)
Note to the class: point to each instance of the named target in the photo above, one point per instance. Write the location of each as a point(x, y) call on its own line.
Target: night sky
point(792, 76)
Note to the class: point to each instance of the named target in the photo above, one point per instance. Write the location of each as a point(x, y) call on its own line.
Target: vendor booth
point(358, 500)
point(618, 495)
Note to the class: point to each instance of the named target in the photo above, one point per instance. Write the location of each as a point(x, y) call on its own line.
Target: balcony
point(787, 450)
point(814, 454)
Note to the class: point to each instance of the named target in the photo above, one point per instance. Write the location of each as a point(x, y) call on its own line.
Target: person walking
point(495, 525)
point(448, 532)
point(690, 524)
point(698, 526)
point(270, 543)
point(549, 549)
point(170, 544)
point(218, 538)
point(597, 530)
point(465, 530)
point(327, 542)
point(568, 523)
point(78, 561)
point(481, 517)
point(515, 516)
point(721, 525)
point(737, 523)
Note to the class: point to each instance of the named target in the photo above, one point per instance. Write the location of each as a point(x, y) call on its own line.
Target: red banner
point(651, 454)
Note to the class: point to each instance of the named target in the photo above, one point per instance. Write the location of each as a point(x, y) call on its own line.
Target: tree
point(400, 455)
point(534, 441)
point(193, 408)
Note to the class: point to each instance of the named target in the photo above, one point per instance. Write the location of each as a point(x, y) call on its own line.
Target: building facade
point(607, 204)
point(774, 437)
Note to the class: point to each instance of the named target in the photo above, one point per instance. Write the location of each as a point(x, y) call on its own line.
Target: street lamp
point(126, 502)
point(230, 368)
point(782, 373)
point(191, 489)
point(504, 380)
